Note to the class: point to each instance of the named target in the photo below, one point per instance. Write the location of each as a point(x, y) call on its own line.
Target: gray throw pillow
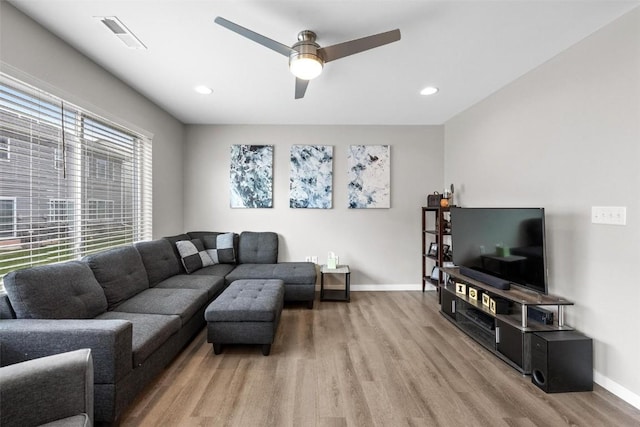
point(220, 248)
point(193, 255)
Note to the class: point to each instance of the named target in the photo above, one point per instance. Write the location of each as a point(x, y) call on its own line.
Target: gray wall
point(31, 53)
point(382, 246)
point(566, 137)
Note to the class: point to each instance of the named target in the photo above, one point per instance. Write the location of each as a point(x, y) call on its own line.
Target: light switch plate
point(613, 215)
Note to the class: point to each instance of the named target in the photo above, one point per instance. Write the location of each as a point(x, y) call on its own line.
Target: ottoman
point(247, 312)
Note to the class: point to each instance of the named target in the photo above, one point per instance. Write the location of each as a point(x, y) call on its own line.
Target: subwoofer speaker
point(562, 361)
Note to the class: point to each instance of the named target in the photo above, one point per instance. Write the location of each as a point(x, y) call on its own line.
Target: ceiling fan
point(306, 57)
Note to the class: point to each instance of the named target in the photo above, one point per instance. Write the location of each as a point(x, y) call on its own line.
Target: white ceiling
point(468, 49)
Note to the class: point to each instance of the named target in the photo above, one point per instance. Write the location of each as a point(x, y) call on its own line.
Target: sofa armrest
point(47, 389)
point(110, 342)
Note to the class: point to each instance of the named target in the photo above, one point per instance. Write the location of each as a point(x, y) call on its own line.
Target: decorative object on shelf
point(433, 249)
point(447, 197)
point(473, 294)
point(486, 299)
point(461, 288)
point(446, 252)
point(311, 176)
point(369, 173)
point(251, 176)
point(332, 261)
point(499, 306)
point(435, 274)
point(433, 200)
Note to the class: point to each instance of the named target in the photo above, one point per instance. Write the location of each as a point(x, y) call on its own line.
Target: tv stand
point(507, 332)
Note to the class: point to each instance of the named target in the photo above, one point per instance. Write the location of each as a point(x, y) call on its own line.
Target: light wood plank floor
point(385, 359)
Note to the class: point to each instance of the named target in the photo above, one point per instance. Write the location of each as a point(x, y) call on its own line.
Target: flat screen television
point(506, 243)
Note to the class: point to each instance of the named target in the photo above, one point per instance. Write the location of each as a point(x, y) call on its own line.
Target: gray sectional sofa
point(134, 306)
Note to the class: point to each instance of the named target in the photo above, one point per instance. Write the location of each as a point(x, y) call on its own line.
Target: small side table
point(335, 294)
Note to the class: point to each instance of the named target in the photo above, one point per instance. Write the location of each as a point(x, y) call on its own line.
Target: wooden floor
point(385, 359)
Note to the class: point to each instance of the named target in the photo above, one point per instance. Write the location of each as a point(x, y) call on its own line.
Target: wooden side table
point(335, 294)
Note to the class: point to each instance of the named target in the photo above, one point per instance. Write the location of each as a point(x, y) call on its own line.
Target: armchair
point(54, 389)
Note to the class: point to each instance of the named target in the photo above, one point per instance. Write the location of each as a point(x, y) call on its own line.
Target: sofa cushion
point(215, 270)
point(159, 260)
point(120, 272)
point(258, 247)
point(57, 291)
point(212, 284)
point(193, 255)
point(301, 273)
point(220, 248)
point(181, 302)
point(149, 331)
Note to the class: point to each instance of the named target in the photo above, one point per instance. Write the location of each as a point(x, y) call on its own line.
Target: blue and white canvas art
point(311, 176)
point(369, 176)
point(251, 176)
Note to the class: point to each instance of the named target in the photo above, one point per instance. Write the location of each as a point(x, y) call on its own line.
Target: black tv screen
point(507, 243)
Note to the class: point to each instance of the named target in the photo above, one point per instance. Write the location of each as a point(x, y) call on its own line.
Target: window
point(101, 171)
point(7, 217)
point(58, 159)
point(4, 148)
point(100, 200)
point(101, 209)
point(60, 210)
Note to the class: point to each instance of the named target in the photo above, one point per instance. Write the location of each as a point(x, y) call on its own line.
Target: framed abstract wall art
point(369, 176)
point(251, 176)
point(311, 177)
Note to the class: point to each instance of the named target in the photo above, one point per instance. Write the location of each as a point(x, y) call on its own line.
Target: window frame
point(14, 223)
point(94, 213)
point(55, 216)
point(5, 153)
point(44, 135)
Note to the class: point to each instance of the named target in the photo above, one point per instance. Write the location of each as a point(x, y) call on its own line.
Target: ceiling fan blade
point(251, 35)
point(301, 87)
point(341, 50)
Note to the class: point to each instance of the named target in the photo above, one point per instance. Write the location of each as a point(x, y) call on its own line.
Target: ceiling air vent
point(119, 29)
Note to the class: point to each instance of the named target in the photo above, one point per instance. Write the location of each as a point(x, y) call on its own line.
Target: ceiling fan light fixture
point(305, 66)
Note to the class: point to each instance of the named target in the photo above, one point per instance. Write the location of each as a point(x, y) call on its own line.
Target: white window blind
point(73, 183)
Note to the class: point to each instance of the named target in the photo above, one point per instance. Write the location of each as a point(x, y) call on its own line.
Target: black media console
point(502, 322)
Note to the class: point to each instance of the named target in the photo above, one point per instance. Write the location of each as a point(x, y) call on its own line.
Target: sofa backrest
point(6, 311)
point(67, 290)
point(120, 272)
point(258, 247)
point(159, 260)
point(173, 240)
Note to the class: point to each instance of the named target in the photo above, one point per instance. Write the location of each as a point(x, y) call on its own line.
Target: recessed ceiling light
point(203, 90)
point(429, 90)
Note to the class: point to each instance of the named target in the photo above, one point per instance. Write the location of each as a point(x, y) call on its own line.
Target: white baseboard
point(615, 388)
point(399, 287)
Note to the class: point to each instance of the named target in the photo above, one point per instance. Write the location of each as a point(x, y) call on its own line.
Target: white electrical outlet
point(314, 259)
point(614, 215)
point(307, 259)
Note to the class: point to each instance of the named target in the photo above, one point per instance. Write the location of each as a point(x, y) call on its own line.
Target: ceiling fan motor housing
point(305, 51)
